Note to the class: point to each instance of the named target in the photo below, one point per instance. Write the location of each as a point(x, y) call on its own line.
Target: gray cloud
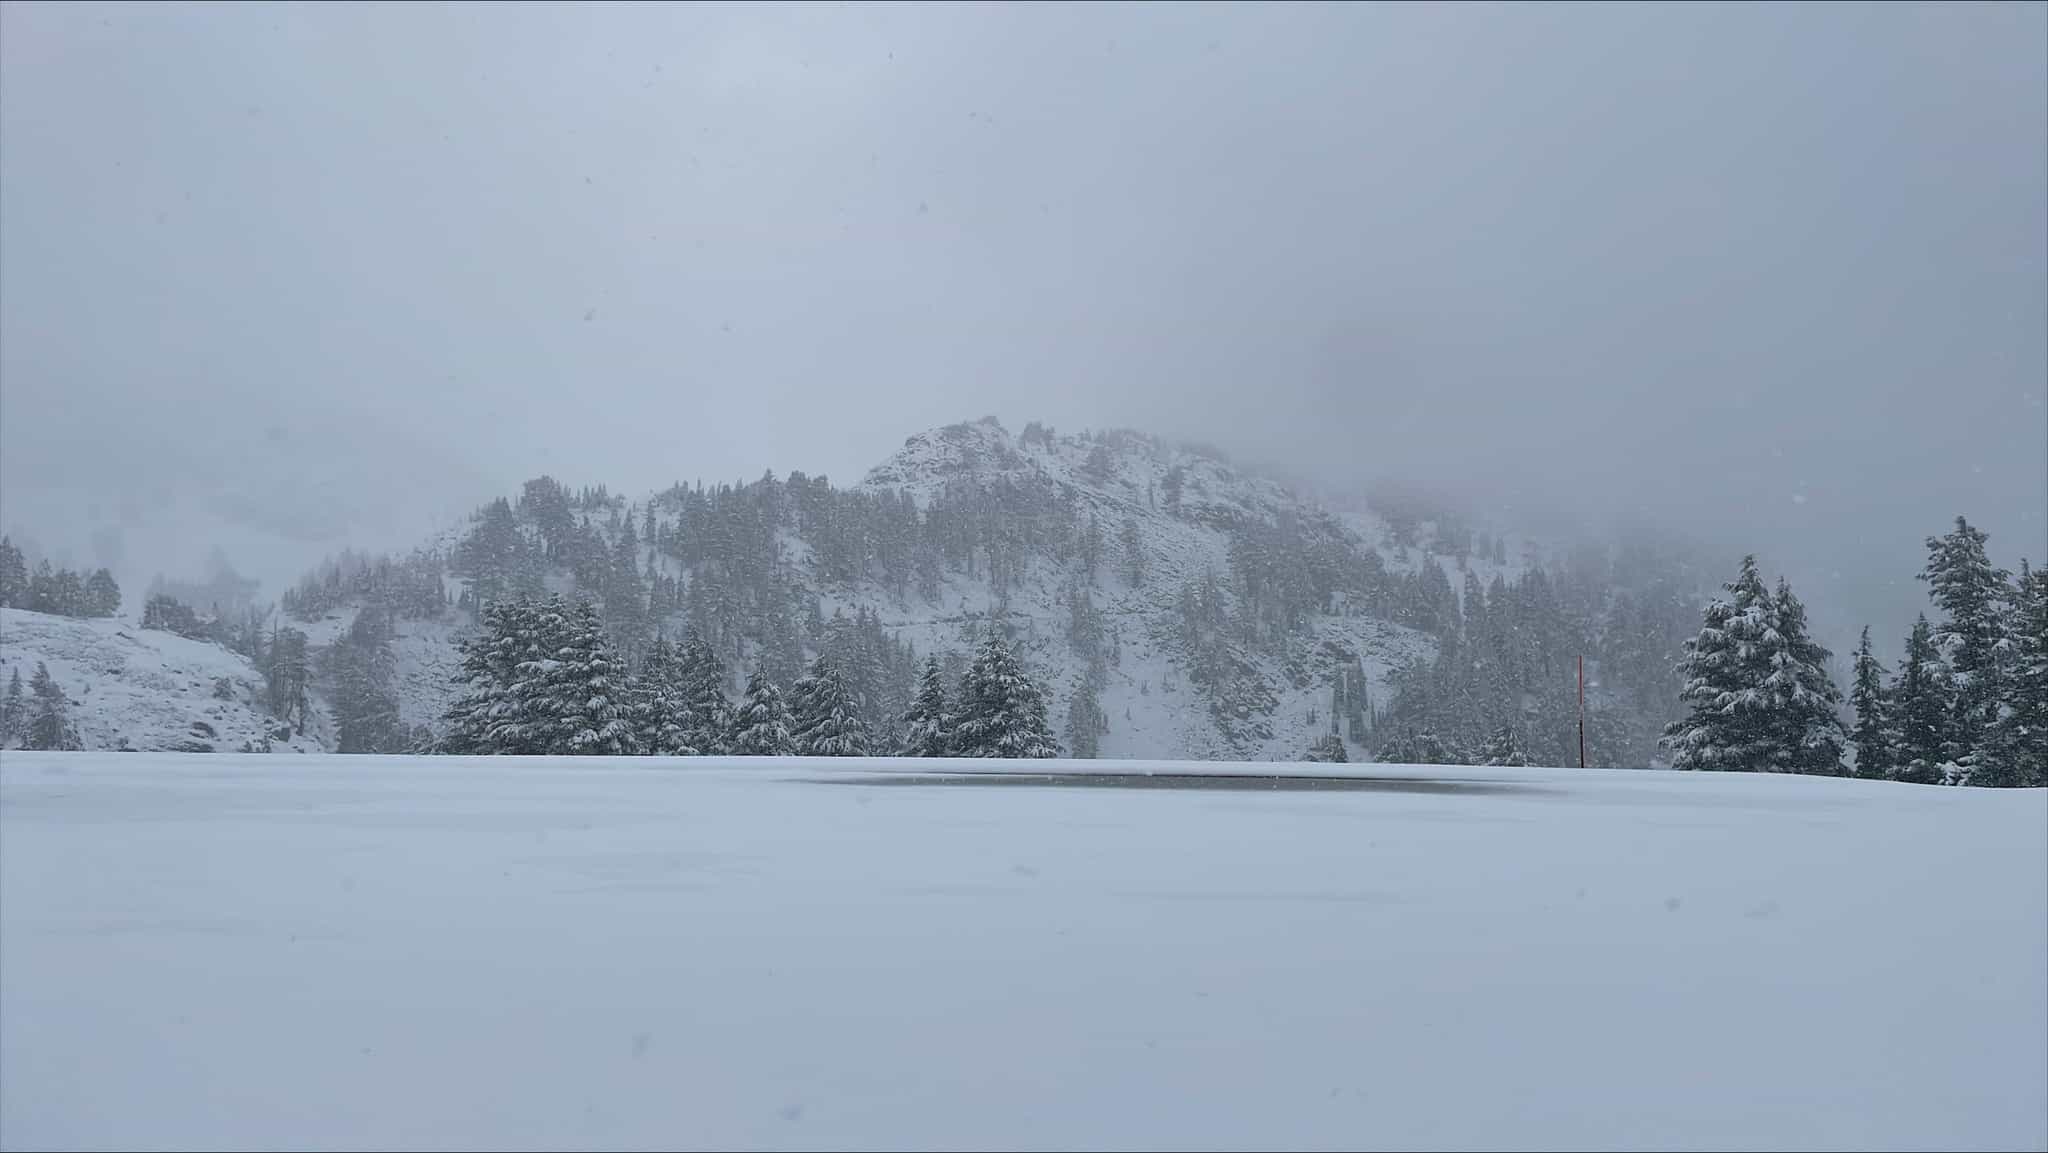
point(1773, 276)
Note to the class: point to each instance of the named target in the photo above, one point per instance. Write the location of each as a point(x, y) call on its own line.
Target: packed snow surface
point(284, 951)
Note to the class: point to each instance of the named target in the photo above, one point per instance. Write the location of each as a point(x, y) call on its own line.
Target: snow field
point(388, 952)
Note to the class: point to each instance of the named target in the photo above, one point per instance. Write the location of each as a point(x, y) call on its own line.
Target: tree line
point(58, 591)
point(542, 677)
point(1501, 688)
point(1968, 703)
point(38, 720)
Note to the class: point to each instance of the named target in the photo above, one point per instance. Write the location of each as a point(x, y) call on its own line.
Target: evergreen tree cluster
point(1503, 685)
point(39, 718)
point(1968, 703)
point(58, 591)
point(540, 677)
point(411, 587)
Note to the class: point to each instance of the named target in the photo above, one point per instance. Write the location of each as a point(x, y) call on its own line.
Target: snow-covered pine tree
point(761, 729)
point(1922, 704)
point(1001, 709)
point(13, 711)
point(661, 708)
point(825, 720)
point(288, 677)
point(488, 658)
point(927, 724)
point(1872, 736)
point(2021, 735)
point(528, 720)
point(588, 692)
point(1502, 749)
point(102, 596)
point(1085, 722)
point(1329, 750)
point(1971, 594)
point(13, 576)
point(782, 650)
point(1423, 748)
point(493, 555)
point(49, 726)
point(709, 730)
point(363, 671)
point(1132, 548)
point(625, 593)
point(1805, 700)
point(1729, 726)
point(1357, 702)
point(1176, 480)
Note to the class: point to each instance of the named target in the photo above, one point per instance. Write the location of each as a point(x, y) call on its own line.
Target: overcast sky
point(281, 278)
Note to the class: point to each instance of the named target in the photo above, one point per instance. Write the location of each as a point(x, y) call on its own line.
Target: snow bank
point(389, 952)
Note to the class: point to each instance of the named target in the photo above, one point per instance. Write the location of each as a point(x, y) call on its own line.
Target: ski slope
point(320, 952)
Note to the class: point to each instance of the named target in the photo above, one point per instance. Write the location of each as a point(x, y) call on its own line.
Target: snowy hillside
point(1171, 603)
point(135, 688)
point(1176, 605)
point(372, 952)
point(1154, 708)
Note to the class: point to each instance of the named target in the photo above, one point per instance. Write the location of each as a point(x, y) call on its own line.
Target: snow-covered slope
point(1153, 707)
point(1171, 527)
point(1277, 705)
point(372, 952)
point(136, 688)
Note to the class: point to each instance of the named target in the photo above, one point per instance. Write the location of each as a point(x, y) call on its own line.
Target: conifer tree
point(13, 576)
point(1502, 749)
point(1970, 593)
point(13, 711)
point(489, 658)
point(761, 728)
point(102, 597)
point(1133, 550)
point(364, 671)
point(1328, 749)
point(527, 717)
point(1805, 697)
point(289, 676)
point(2020, 739)
point(662, 705)
point(1724, 667)
point(1872, 736)
point(709, 730)
point(1085, 722)
point(1922, 709)
point(49, 726)
point(1176, 480)
point(625, 592)
point(926, 724)
point(825, 720)
point(580, 700)
point(1001, 709)
point(1757, 687)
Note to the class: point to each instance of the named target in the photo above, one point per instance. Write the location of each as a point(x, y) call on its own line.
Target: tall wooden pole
point(1582, 712)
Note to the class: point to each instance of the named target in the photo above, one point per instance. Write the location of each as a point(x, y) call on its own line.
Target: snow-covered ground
point(374, 952)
